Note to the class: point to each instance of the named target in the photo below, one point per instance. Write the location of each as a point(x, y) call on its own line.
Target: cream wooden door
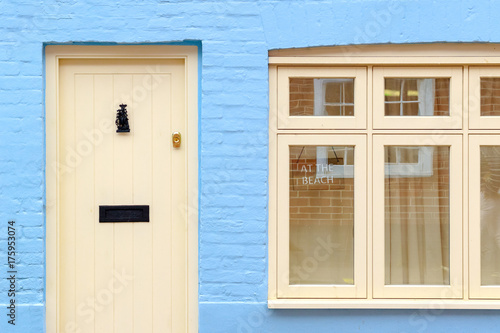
point(121, 277)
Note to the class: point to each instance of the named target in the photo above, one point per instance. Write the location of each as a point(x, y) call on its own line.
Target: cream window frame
point(476, 120)
point(358, 121)
point(478, 291)
point(453, 121)
point(465, 57)
point(358, 289)
point(380, 289)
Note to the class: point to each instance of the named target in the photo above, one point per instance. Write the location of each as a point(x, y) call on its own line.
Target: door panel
point(122, 277)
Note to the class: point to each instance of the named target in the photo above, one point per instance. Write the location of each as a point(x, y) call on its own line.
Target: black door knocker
point(122, 119)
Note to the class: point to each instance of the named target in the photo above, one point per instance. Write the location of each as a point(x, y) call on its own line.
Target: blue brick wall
point(236, 36)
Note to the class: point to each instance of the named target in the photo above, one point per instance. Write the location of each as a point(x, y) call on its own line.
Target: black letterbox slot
point(132, 213)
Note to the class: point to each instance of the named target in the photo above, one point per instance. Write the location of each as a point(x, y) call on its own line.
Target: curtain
point(426, 89)
point(490, 215)
point(417, 223)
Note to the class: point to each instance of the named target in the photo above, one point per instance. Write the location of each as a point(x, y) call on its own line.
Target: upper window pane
point(417, 96)
point(484, 97)
point(490, 96)
point(321, 97)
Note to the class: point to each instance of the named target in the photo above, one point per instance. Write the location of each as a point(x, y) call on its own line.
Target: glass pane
point(408, 155)
point(417, 97)
point(349, 110)
point(490, 215)
point(338, 90)
point(417, 201)
point(321, 97)
point(333, 110)
point(337, 110)
point(392, 90)
point(333, 92)
point(490, 96)
point(391, 154)
point(401, 155)
point(301, 97)
point(322, 215)
point(392, 109)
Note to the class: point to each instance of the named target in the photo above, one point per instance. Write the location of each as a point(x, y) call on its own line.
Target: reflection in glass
point(401, 155)
point(321, 215)
point(490, 215)
point(490, 96)
point(417, 201)
point(417, 97)
point(321, 97)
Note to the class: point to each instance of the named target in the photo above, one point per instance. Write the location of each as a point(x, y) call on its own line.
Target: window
point(333, 97)
point(417, 97)
point(484, 105)
point(385, 177)
point(414, 221)
point(322, 97)
point(320, 204)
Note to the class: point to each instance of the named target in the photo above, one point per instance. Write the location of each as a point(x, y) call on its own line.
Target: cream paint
point(121, 277)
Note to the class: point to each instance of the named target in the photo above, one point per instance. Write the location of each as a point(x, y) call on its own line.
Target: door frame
point(53, 55)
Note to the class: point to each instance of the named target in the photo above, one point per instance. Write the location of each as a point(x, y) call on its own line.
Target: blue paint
point(247, 317)
point(233, 132)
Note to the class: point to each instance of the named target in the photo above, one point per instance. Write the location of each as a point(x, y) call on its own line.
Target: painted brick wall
point(235, 38)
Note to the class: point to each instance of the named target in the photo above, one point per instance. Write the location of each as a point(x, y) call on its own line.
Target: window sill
point(434, 304)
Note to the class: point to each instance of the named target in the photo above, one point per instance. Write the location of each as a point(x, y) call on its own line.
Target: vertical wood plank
point(179, 203)
point(143, 179)
point(123, 195)
point(161, 206)
point(84, 202)
point(104, 234)
point(67, 163)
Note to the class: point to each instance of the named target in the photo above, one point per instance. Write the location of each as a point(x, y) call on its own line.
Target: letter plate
point(132, 213)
